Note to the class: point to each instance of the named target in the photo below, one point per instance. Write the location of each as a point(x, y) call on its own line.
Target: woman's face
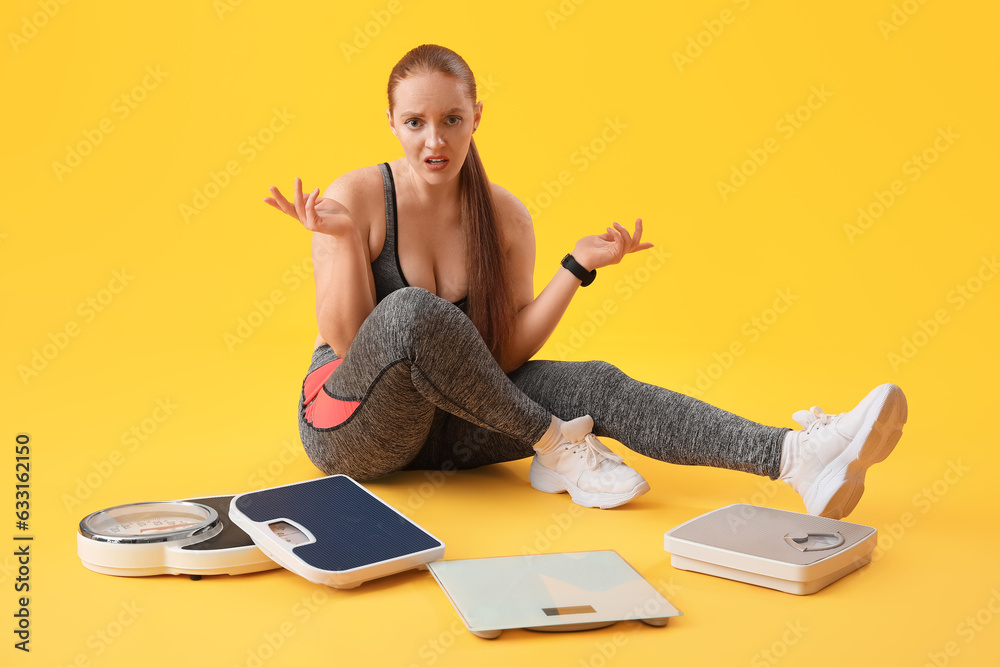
point(434, 120)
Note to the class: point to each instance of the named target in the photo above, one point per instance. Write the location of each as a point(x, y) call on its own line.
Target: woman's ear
point(392, 127)
point(477, 116)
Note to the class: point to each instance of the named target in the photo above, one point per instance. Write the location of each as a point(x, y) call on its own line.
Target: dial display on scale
point(193, 537)
point(288, 532)
point(141, 523)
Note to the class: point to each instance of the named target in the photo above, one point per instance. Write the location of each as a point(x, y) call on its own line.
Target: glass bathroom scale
point(333, 531)
point(549, 592)
point(787, 551)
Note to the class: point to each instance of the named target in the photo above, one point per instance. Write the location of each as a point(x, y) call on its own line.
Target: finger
point(625, 235)
point(638, 229)
point(311, 217)
point(621, 238)
point(278, 197)
point(279, 202)
point(300, 208)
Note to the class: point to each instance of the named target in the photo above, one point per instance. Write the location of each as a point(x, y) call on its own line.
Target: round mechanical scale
point(191, 537)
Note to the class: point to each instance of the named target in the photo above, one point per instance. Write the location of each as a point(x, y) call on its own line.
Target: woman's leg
point(825, 463)
point(651, 420)
point(414, 354)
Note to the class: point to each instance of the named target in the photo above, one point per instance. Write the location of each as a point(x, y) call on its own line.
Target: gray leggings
point(419, 390)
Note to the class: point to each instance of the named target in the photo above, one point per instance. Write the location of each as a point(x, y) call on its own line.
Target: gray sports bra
point(385, 268)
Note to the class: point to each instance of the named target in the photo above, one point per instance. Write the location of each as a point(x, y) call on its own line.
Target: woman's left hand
point(593, 252)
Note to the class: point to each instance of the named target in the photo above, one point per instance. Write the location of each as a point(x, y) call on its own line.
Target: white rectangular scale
point(787, 551)
point(549, 592)
point(333, 531)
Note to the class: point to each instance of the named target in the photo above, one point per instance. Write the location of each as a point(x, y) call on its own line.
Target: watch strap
point(570, 264)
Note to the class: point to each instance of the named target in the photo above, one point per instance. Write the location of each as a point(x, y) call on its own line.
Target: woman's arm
point(537, 317)
point(345, 287)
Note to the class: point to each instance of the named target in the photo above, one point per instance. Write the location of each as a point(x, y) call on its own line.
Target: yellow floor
point(819, 182)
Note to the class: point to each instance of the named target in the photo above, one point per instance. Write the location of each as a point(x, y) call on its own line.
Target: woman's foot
point(826, 462)
point(583, 466)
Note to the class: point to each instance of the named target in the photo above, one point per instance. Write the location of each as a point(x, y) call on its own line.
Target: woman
point(427, 321)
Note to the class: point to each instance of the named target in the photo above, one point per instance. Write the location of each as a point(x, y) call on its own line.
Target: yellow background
point(896, 76)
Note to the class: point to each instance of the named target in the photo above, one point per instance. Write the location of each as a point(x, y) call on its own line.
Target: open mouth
point(437, 161)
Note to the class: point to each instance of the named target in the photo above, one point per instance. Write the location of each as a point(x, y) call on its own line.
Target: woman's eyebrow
point(444, 113)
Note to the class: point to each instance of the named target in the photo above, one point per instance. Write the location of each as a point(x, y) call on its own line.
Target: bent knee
point(419, 313)
point(409, 297)
point(600, 369)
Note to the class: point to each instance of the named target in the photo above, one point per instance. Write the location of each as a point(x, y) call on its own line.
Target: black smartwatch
point(570, 264)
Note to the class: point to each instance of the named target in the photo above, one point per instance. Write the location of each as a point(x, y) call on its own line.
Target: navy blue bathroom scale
point(333, 531)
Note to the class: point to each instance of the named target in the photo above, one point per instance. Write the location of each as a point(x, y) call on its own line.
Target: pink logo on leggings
point(323, 410)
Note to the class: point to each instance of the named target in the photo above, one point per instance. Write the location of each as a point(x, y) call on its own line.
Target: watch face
point(143, 523)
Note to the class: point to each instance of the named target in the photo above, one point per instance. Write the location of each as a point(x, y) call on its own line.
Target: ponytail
point(491, 304)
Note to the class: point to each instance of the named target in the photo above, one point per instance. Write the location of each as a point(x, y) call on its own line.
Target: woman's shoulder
point(356, 187)
point(514, 220)
point(512, 211)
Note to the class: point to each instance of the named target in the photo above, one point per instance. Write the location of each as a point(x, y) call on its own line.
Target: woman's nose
point(435, 139)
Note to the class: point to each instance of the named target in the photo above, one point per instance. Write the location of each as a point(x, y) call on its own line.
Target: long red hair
point(490, 301)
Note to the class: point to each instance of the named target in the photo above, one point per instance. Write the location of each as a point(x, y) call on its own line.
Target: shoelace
point(596, 451)
point(812, 418)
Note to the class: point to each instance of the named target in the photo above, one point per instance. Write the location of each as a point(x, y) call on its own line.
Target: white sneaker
point(828, 460)
point(582, 465)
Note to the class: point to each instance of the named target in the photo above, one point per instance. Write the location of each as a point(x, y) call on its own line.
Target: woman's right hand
point(315, 213)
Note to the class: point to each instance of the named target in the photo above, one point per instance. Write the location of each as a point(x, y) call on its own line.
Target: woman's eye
point(412, 120)
point(454, 120)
